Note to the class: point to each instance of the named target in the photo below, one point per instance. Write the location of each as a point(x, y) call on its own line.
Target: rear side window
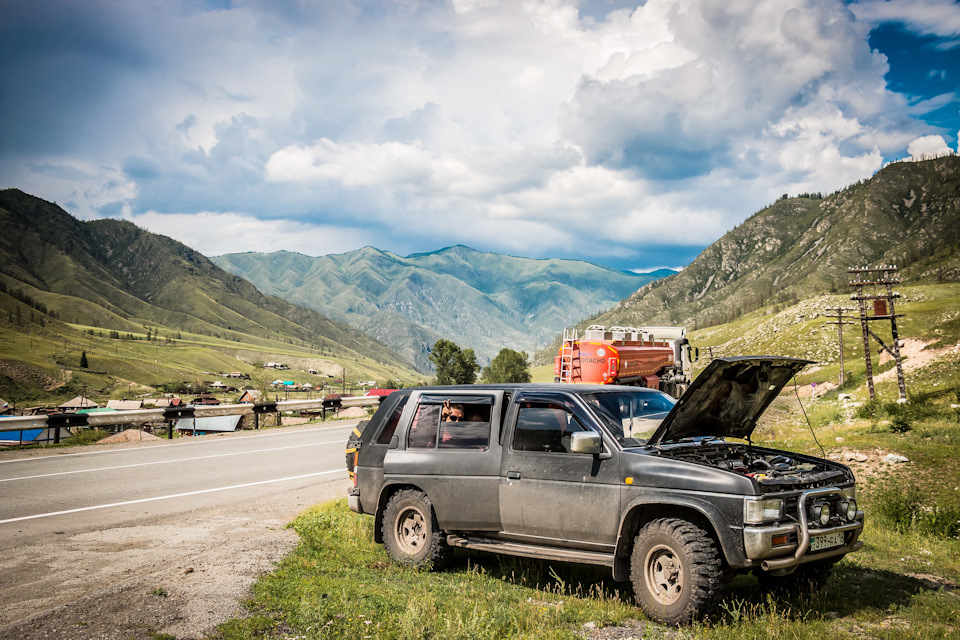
point(388, 429)
point(453, 422)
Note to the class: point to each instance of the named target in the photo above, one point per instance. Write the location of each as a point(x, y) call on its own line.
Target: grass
point(339, 584)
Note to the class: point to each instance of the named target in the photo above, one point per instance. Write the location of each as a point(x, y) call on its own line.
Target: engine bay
point(772, 470)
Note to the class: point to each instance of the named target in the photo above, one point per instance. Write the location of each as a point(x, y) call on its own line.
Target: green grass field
point(42, 364)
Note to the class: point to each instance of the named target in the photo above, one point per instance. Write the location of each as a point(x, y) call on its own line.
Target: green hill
point(481, 300)
point(63, 278)
point(908, 214)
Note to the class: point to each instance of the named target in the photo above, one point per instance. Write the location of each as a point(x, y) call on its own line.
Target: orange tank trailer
point(620, 362)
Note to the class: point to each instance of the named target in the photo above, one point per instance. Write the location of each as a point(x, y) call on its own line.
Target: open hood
point(727, 398)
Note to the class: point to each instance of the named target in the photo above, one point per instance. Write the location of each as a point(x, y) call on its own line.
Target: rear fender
point(385, 494)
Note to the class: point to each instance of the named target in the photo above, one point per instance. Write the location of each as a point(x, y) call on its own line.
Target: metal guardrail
point(106, 418)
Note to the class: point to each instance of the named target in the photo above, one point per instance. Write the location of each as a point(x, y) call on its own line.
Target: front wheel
point(411, 535)
point(675, 570)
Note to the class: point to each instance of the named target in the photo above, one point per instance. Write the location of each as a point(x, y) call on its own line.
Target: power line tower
point(882, 310)
point(840, 321)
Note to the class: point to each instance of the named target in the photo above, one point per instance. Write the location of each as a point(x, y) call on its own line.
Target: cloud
point(928, 17)
point(928, 146)
point(216, 233)
point(542, 127)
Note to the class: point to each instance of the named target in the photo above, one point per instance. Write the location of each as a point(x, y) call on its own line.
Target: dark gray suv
point(623, 477)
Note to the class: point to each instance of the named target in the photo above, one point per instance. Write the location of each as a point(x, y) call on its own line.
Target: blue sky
point(628, 134)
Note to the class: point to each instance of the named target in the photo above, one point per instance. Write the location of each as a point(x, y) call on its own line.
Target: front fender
point(719, 514)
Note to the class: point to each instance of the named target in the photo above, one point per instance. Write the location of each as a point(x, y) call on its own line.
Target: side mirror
point(586, 442)
point(394, 442)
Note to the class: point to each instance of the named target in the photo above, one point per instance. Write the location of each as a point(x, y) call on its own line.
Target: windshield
point(630, 416)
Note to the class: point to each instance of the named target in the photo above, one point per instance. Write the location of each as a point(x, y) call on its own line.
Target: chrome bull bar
point(799, 555)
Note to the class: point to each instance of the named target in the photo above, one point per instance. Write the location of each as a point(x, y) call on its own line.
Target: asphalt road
point(84, 526)
point(93, 486)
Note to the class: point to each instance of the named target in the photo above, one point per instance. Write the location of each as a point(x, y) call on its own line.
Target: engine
point(772, 470)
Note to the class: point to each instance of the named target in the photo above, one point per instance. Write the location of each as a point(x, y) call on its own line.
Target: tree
point(508, 366)
point(83, 360)
point(454, 366)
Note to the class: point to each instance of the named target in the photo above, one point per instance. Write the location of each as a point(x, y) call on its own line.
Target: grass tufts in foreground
point(340, 584)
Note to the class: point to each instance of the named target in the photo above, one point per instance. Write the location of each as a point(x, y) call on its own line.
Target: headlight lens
point(757, 510)
point(848, 508)
point(820, 513)
point(851, 492)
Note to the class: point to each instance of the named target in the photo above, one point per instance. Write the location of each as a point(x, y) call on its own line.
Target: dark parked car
point(623, 477)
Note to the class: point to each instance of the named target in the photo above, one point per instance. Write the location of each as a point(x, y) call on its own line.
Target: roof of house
point(250, 395)
point(79, 403)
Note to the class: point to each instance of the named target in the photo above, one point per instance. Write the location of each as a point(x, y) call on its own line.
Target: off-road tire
point(411, 535)
point(807, 578)
point(676, 571)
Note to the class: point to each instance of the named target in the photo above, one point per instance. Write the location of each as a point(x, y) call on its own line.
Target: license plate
point(828, 541)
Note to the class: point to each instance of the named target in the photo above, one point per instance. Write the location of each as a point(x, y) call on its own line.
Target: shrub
point(900, 425)
point(897, 507)
point(905, 509)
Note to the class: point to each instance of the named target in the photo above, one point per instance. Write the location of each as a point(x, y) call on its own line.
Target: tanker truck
point(655, 357)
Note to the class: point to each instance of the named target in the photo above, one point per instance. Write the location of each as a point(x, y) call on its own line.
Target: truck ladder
point(570, 356)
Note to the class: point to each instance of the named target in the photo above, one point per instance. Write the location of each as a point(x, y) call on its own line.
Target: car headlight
point(820, 513)
point(848, 509)
point(851, 492)
point(757, 510)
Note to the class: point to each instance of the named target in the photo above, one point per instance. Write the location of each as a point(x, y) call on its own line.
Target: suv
point(624, 477)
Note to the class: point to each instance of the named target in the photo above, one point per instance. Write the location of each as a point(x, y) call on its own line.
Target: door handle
point(513, 475)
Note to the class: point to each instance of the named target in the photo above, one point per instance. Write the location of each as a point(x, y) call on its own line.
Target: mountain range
point(485, 301)
point(110, 274)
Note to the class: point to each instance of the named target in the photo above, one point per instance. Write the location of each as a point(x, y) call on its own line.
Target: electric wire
point(812, 432)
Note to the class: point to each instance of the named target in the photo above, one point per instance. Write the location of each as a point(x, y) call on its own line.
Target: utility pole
point(883, 309)
point(840, 321)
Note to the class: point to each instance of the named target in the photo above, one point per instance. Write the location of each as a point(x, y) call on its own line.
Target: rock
point(892, 458)
point(589, 626)
point(844, 397)
point(855, 456)
point(352, 412)
point(841, 439)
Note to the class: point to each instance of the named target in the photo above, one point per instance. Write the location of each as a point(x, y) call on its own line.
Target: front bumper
point(758, 540)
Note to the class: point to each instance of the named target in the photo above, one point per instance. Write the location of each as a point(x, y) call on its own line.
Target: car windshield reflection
point(630, 416)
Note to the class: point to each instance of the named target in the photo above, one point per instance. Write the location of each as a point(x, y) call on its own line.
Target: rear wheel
point(411, 535)
point(675, 570)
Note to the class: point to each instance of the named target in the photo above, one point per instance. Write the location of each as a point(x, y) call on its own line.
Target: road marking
point(174, 444)
point(146, 464)
point(175, 495)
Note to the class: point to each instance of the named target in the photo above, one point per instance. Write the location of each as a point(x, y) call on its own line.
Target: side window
point(544, 426)
point(451, 423)
point(423, 430)
point(388, 429)
point(472, 431)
